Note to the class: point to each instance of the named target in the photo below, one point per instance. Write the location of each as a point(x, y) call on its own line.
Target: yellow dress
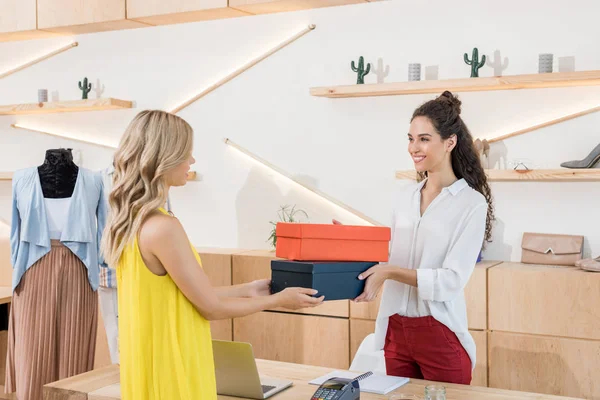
point(165, 344)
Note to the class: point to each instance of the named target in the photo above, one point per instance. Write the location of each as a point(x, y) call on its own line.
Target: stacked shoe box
point(328, 258)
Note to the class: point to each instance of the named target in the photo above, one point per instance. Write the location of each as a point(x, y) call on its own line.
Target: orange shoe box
point(324, 242)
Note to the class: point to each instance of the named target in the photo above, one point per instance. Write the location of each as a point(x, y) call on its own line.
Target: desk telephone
point(340, 389)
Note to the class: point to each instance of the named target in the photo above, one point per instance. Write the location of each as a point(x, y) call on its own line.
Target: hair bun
point(450, 99)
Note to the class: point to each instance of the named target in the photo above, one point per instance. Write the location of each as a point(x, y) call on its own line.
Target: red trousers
point(423, 348)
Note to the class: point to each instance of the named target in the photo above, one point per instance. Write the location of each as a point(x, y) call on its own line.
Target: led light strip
point(322, 195)
point(243, 69)
point(545, 124)
point(108, 146)
point(39, 59)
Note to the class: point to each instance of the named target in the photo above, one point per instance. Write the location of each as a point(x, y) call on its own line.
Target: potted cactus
point(86, 88)
point(474, 62)
point(361, 70)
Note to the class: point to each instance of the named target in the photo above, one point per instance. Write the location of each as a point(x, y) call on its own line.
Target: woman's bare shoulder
point(159, 228)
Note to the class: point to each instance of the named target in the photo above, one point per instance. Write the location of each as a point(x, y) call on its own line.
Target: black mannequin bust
point(58, 174)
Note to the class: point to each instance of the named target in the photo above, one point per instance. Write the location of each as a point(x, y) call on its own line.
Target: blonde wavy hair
point(154, 142)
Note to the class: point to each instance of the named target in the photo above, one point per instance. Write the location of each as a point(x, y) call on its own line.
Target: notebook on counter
point(378, 384)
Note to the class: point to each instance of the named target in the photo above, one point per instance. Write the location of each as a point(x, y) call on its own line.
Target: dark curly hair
point(444, 114)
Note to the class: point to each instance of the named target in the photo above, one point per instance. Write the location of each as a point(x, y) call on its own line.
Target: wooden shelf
point(511, 82)
point(66, 106)
point(7, 176)
point(539, 175)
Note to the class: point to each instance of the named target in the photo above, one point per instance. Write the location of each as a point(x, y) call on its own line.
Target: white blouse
point(443, 246)
point(57, 211)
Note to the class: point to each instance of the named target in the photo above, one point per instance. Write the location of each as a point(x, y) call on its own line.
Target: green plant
point(285, 214)
point(361, 70)
point(474, 62)
point(86, 88)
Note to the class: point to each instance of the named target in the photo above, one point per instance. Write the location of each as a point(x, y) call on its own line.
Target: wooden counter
point(103, 384)
point(545, 300)
point(545, 364)
point(303, 339)
point(216, 263)
point(544, 329)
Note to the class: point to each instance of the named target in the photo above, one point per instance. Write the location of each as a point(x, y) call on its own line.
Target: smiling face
point(427, 148)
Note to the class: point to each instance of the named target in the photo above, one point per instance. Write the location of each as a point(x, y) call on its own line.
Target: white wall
point(348, 148)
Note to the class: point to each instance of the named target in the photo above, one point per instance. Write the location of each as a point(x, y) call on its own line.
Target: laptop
point(237, 374)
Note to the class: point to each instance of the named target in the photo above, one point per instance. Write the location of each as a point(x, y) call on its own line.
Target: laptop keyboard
point(266, 388)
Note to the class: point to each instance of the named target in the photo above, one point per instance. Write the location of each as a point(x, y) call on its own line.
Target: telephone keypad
point(325, 394)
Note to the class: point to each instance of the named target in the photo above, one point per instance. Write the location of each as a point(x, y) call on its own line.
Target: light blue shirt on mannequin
point(82, 233)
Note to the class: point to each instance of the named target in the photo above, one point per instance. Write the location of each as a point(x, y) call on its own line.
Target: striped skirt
point(52, 325)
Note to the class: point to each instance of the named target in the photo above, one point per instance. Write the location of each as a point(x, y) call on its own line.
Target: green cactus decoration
point(361, 70)
point(474, 63)
point(86, 88)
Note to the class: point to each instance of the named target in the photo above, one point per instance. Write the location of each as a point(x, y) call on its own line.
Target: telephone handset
point(340, 389)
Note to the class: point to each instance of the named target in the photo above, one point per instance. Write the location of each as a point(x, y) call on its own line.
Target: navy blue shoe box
point(334, 280)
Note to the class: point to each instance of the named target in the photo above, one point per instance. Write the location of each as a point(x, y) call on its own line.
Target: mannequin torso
point(58, 174)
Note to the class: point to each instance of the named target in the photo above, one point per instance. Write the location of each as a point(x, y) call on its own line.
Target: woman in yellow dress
point(165, 299)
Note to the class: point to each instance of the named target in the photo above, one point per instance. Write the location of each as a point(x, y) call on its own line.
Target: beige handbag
point(549, 249)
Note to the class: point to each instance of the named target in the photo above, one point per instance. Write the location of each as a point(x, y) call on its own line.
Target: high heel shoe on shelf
point(589, 162)
point(589, 264)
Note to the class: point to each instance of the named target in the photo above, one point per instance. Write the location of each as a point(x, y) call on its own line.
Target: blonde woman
point(165, 299)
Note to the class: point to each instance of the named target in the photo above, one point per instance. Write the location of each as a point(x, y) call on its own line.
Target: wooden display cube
point(360, 329)
point(543, 364)
point(296, 338)
point(366, 310)
point(256, 264)
point(476, 295)
point(480, 374)
point(545, 300)
point(216, 263)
